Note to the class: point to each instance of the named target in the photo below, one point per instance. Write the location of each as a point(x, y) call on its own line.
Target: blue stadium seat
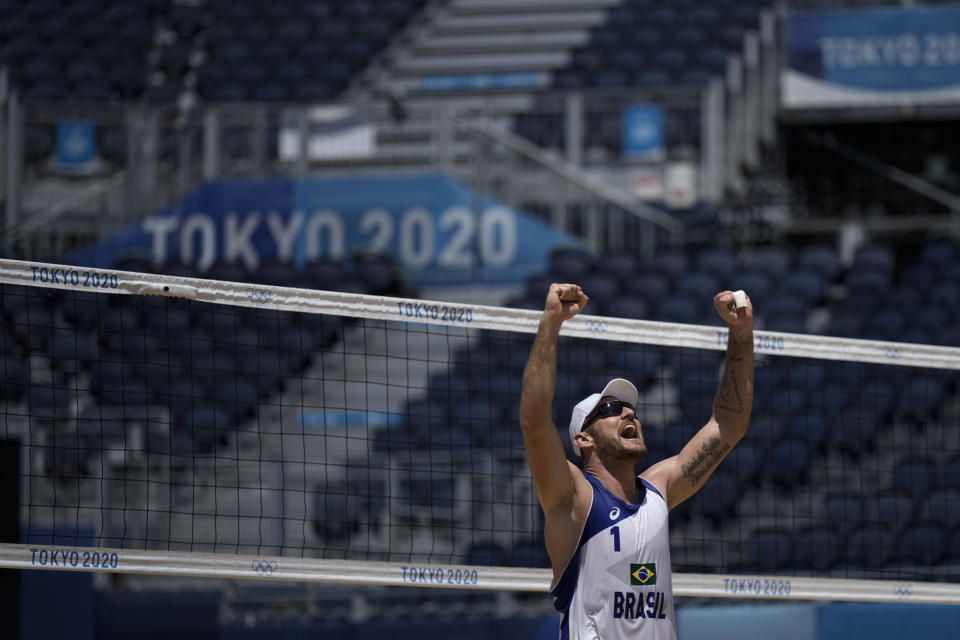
point(888, 324)
point(757, 285)
point(271, 91)
point(747, 16)
point(373, 34)
point(626, 60)
point(481, 413)
point(672, 264)
point(874, 258)
point(628, 306)
point(877, 395)
point(174, 59)
point(747, 460)
point(892, 508)
point(689, 37)
point(622, 266)
point(806, 285)
point(718, 497)
point(170, 321)
point(845, 512)
point(276, 52)
point(855, 430)
point(806, 374)
point(916, 475)
point(706, 15)
point(918, 276)
point(636, 362)
point(323, 274)
point(929, 318)
point(720, 262)
point(276, 273)
point(568, 79)
point(428, 413)
point(812, 428)
point(769, 549)
point(866, 280)
point(679, 308)
point(647, 40)
point(127, 80)
point(570, 265)
point(772, 260)
point(250, 73)
point(945, 295)
point(377, 271)
point(951, 473)
point(789, 401)
point(790, 463)
point(671, 60)
point(941, 506)
point(938, 255)
point(663, 17)
point(695, 76)
point(921, 397)
point(537, 286)
point(923, 544)
point(605, 38)
point(486, 554)
point(16, 372)
point(784, 311)
point(712, 59)
point(590, 60)
point(293, 31)
point(818, 549)
point(949, 336)
point(871, 547)
point(703, 285)
point(602, 289)
point(651, 285)
point(69, 348)
point(335, 513)
point(919, 334)
point(610, 78)
point(529, 553)
point(54, 399)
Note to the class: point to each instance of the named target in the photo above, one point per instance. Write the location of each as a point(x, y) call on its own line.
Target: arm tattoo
point(729, 397)
point(711, 453)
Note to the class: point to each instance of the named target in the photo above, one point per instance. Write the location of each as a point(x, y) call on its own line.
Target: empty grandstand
point(469, 151)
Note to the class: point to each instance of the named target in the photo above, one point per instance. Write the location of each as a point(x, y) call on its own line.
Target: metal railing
point(554, 154)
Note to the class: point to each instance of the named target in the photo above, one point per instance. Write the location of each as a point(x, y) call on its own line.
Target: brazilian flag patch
point(643, 574)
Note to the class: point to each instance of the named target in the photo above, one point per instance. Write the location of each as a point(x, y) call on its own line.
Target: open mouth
point(630, 431)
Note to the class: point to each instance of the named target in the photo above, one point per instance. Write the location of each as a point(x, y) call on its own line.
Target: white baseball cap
point(618, 388)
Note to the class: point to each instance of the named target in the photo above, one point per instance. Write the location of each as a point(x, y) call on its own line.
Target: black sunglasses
point(607, 410)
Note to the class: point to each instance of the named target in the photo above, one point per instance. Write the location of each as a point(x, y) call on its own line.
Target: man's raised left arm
point(685, 473)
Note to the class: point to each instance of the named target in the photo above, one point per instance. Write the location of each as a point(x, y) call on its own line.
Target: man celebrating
point(605, 527)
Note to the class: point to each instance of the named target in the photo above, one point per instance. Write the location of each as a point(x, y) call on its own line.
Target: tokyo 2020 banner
point(439, 231)
point(872, 57)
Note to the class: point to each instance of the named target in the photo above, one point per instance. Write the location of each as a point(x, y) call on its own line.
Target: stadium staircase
point(469, 57)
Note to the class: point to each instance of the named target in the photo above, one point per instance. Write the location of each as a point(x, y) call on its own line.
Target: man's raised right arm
point(552, 474)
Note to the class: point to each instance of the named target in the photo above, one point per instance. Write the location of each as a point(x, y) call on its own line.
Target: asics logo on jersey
point(614, 513)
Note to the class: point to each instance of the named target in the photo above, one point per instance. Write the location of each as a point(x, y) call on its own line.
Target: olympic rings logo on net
point(264, 567)
point(259, 295)
point(597, 326)
point(903, 591)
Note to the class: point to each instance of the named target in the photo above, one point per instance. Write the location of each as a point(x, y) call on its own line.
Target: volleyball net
point(169, 425)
